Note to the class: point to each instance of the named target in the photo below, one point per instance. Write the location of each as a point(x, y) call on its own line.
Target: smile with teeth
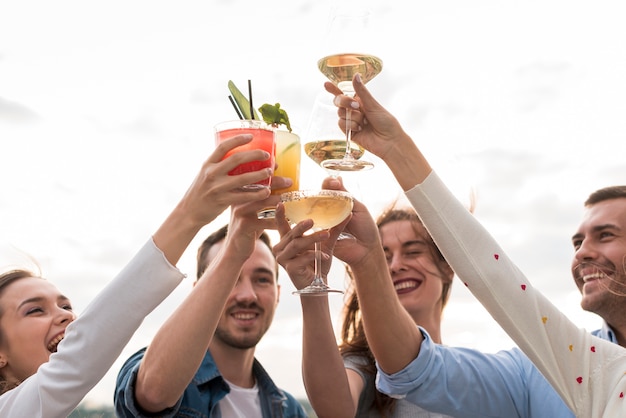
point(52, 345)
point(406, 284)
point(593, 276)
point(244, 316)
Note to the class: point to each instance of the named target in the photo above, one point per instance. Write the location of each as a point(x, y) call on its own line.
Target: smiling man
point(201, 362)
point(599, 263)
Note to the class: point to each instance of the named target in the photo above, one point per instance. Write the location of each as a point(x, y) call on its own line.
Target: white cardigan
point(95, 340)
point(589, 373)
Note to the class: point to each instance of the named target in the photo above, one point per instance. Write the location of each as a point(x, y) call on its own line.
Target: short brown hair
point(606, 193)
point(218, 236)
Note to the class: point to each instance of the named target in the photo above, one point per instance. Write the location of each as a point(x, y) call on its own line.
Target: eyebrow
point(597, 228)
point(410, 243)
point(264, 270)
point(60, 298)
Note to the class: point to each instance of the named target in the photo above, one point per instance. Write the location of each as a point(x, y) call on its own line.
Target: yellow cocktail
point(288, 152)
point(327, 208)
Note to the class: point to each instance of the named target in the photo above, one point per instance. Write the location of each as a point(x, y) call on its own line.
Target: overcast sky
point(107, 111)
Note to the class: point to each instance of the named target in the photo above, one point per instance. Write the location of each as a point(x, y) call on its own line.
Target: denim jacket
point(201, 397)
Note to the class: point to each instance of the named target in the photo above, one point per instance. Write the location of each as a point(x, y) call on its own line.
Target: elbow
point(152, 396)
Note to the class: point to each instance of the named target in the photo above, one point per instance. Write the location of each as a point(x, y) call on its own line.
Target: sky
point(107, 112)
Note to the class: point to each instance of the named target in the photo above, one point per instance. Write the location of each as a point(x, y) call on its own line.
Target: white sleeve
point(587, 372)
point(94, 341)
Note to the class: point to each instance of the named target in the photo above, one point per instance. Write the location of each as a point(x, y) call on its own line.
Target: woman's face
point(33, 322)
point(415, 273)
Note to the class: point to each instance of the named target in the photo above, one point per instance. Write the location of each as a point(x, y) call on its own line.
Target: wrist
point(406, 162)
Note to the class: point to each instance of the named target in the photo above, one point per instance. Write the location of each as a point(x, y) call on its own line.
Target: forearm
point(180, 345)
point(323, 370)
point(175, 233)
point(391, 333)
point(407, 163)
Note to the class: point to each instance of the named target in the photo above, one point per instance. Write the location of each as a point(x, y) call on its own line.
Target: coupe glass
point(327, 208)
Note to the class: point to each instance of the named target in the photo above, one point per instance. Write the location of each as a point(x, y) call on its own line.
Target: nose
point(586, 251)
point(395, 263)
point(64, 316)
point(244, 291)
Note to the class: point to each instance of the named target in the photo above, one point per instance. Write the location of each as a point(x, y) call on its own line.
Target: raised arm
point(179, 346)
point(391, 333)
point(379, 132)
point(325, 379)
point(572, 360)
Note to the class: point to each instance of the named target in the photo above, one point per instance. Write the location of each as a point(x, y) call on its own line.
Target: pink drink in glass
point(263, 138)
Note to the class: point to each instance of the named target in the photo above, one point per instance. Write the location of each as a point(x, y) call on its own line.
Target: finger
point(229, 144)
point(333, 183)
point(364, 94)
point(282, 225)
point(242, 157)
point(336, 230)
point(236, 181)
point(237, 197)
point(332, 88)
point(279, 182)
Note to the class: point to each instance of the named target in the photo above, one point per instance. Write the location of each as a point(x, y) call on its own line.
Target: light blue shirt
point(467, 383)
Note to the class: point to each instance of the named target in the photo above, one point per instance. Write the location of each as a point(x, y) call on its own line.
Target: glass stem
point(348, 154)
point(317, 279)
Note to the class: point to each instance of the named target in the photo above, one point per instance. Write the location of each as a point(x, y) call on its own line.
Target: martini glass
point(327, 208)
point(349, 34)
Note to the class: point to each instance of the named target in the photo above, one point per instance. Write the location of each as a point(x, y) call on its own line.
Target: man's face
point(599, 260)
point(250, 308)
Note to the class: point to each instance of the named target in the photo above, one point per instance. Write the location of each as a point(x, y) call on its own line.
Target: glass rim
point(287, 196)
point(242, 123)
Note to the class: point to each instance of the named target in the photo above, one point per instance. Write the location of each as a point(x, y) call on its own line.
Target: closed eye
point(34, 310)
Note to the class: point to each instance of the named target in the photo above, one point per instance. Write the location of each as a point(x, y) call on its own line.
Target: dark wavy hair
point(353, 340)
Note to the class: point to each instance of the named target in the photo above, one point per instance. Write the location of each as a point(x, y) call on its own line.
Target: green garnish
point(242, 102)
point(274, 115)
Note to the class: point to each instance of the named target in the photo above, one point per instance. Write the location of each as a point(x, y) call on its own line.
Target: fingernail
point(336, 101)
point(355, 105)
point(357, 77)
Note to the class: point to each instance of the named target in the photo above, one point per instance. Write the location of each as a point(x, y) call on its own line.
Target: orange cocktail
point(263, 138)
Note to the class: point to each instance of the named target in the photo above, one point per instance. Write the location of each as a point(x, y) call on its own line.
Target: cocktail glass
point(263, 137)
point(349, 35)
point(288, 152)
point(323, 140)
point(327, 208)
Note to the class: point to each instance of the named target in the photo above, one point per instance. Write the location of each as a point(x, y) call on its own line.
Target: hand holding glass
point(327, 208)
point(262, 138)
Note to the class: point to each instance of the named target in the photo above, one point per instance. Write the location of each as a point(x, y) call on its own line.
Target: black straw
point(250, 99)
point(235, 106)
